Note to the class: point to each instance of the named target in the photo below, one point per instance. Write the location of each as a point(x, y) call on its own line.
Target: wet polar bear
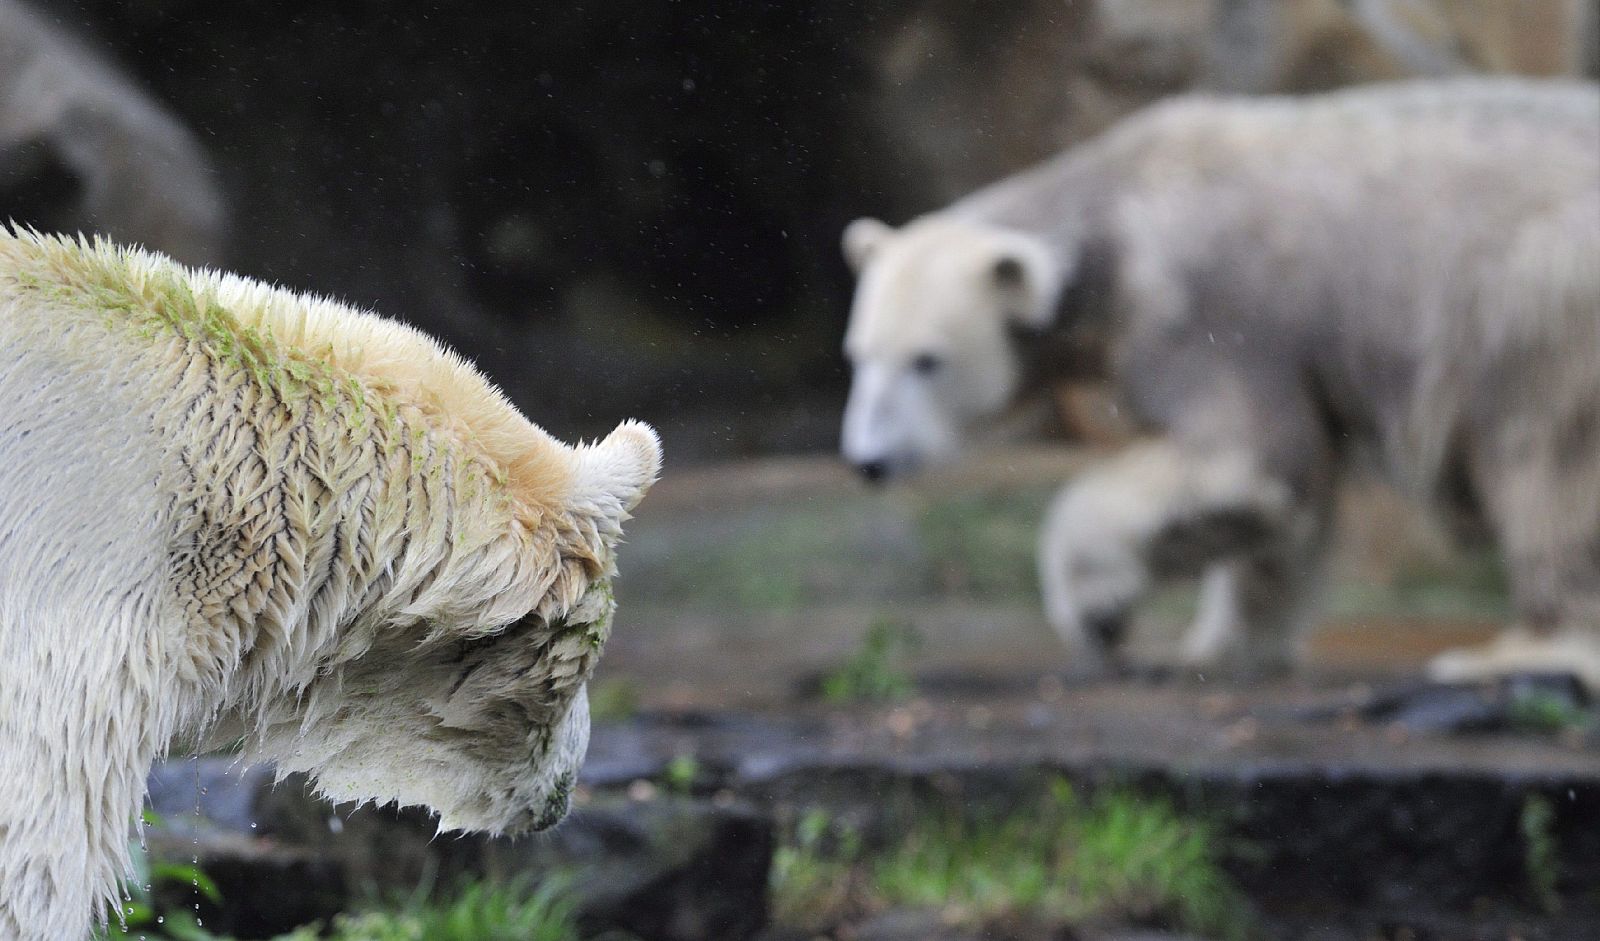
point(1405, 276)
point(233, 513)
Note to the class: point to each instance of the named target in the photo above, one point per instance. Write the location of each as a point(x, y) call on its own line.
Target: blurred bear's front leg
point(1218, 631)
point(1161, 511)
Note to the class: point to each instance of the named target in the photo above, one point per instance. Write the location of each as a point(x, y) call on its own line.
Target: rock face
point(83, 148)
point(972, 94)
point(645, 202)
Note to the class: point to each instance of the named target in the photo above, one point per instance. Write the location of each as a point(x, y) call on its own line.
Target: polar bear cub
point(234, 514)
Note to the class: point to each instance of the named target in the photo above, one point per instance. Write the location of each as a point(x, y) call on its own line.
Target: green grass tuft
point(480, 911)
point(1541, 852)
point(138, 915)
point(1118, 857)
point(877, 672)
point(814, 872)
point(1544, 712)
point(681, 773)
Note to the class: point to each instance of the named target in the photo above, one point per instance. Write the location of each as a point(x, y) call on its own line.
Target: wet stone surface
point(1345, 822)
point(1347, 813)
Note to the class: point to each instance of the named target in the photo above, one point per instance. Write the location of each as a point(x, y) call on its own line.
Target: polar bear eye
point(926, 364)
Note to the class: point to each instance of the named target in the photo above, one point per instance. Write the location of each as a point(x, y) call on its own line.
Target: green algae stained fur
point(164, 301)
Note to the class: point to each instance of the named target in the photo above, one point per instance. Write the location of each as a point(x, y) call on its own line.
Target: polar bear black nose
point(874, 472)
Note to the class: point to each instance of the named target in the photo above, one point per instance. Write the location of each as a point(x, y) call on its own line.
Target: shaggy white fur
point(231, 513)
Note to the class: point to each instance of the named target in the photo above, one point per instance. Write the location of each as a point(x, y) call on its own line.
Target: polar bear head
point(929, 337)
point(472, 700)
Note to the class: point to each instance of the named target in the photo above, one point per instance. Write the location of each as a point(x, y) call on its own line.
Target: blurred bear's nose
point(874, 472)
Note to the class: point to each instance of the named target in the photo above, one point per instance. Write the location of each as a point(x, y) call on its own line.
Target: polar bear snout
point(873, 472)
point(559, 775)
point(893, 424)
point(880, 472)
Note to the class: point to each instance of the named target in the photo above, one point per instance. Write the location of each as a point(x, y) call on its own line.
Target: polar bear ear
point(1029, 279)
point(861, 240)
point(615, 473)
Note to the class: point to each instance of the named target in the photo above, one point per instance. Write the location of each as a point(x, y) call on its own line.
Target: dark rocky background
point(633, 208)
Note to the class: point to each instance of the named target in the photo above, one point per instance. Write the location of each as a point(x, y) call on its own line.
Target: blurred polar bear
point(1403, 276)
point(234, 514)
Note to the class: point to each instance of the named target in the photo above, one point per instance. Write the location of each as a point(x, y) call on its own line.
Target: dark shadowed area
point(634, 209)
